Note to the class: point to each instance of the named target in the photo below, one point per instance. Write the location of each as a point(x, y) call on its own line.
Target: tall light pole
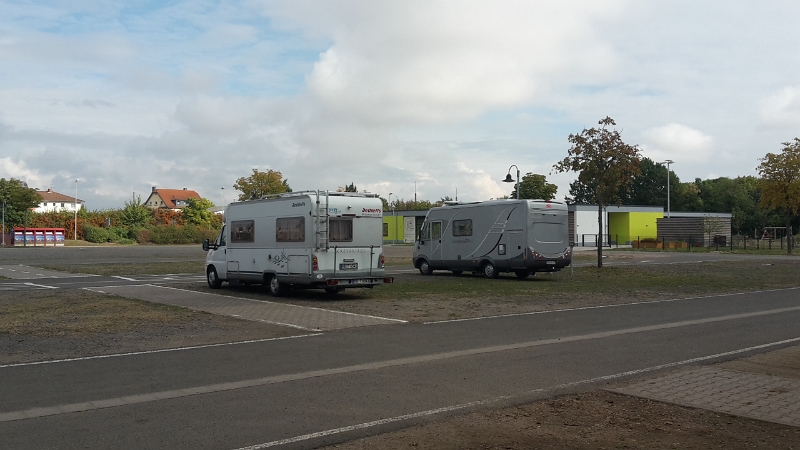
point(223, 195)
point(76, 209)
point(456, 191)
point(4, 222)
point(511, 180)
point(668, 162)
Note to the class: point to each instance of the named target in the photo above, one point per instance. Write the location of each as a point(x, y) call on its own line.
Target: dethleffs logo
point(371, 211)
point(295, 205)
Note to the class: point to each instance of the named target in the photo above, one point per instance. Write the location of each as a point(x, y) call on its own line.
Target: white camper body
point(520, 236)
point(315, 239)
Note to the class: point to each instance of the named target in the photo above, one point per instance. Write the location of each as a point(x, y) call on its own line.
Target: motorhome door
point(430, 241)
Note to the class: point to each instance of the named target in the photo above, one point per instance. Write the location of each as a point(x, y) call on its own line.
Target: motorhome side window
point(462, 227)
point(242, 231)
point(436, 230)
point(341, 230)
point(290, 229)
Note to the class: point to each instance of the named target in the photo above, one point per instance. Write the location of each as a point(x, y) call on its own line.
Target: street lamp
point(4, 222)
point(223, 195)
point(76, 209)
point(511, 180)
point(456, 191)
point(668, 162)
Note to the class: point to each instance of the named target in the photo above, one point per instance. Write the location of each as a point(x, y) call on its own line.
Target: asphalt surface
point(328, 387)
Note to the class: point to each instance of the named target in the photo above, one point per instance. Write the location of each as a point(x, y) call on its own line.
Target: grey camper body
point(519, 236)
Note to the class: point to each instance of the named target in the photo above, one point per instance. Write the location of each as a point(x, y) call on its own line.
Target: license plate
point(363, 281)
point(348, 266)
point(552, 263)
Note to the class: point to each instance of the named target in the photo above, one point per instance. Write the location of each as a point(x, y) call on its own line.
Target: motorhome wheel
point(333, 290)
point(425, 268)
point(213, 280)
point(276, 288)
point(458, 272)
point(522, 273)
point(489, 271)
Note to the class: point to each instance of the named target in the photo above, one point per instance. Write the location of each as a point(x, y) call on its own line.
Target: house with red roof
point(174, 199)
point(53, 201)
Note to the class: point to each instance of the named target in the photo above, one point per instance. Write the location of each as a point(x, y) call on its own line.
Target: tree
point(135, 215)
point(197, 211)
point(780, 182)
point(19, 199)
point(260, 184)
point(601, 157)
point(348, 188)
point(535, 186)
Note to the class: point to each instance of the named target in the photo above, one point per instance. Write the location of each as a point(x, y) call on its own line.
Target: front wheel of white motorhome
point(213, 279)
point(276, 288)
point(489, 270)
point(425, 268)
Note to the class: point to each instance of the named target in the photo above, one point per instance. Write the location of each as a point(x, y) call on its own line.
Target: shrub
point(97, 234)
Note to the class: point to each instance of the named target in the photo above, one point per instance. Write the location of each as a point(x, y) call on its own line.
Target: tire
point(490, 271)
point(425, 268)
point(457, 272)
point(522, 274)
point(275, 287)
point(213, 279)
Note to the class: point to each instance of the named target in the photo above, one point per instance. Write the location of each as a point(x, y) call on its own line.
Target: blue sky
point(389, 95)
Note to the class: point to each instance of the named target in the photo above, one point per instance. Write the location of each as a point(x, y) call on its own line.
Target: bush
point(175, 234)
point(649, 241)
point(97, 234)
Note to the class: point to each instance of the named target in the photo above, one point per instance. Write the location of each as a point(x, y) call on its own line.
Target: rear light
point(333, 282)
point(388, 280)
point(382, 263)
point(314, 263)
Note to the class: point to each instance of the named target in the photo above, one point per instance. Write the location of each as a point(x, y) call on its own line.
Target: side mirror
point(206, 245)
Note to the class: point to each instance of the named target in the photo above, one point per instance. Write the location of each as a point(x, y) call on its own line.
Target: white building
point(54, 202)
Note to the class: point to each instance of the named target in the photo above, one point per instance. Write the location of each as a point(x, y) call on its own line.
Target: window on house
point(385, 229)
point(242, 231)
point(290, 229)
point(62, 205)
point(341, 230)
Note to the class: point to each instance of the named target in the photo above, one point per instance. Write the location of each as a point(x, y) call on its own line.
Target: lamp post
point(511, 180)
point(4, 222)
point(394, 219)
point(223, 195)
point(76, 210)
point(668, 162)
point(456, 191)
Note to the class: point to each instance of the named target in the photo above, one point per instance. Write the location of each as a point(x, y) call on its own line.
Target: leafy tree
point(135, 215)
point(600, 156)
point(260, 184)
point(19, 199)
point(348, 188)
point(196, 211)
point(580, 192)
point(780, 181)
point(535, 186)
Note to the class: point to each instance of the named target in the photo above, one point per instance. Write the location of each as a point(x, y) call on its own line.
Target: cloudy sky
point(389, 95)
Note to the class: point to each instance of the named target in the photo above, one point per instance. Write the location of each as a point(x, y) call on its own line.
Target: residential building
point(53, 201)
point(174, 199)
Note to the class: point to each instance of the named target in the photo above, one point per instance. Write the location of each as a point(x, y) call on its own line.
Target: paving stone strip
point(22, 272)
point(757, 396)
point(305, 318)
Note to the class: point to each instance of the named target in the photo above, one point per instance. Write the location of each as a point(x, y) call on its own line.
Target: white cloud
point(679, 143)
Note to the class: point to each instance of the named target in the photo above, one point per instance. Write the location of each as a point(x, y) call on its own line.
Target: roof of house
point(52, 196)
point(170, 196)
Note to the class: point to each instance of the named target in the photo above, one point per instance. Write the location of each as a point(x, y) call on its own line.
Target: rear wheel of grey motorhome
point(522, 273)
point(457, 272)
point(490, 271)
point(425, 268)
point(333, 290)
point(213, 279)
point(276, 288)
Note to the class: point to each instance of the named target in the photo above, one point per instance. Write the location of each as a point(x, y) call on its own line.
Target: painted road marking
point(276, 379)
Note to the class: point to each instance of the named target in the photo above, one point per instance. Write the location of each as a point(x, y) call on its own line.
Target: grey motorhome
point(317, 239)
point(519, 236)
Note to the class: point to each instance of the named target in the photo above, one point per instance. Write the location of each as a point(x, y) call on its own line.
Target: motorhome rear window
point(462, 227)
point(290, 229)
point(242, 231)
point(341, 230)
point(549, 233)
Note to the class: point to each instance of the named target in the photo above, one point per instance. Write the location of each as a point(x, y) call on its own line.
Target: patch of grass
point(156, 268)
point(57, 313)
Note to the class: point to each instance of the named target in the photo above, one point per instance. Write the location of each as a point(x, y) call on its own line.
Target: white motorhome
point(316, 239)
point(519, 236)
